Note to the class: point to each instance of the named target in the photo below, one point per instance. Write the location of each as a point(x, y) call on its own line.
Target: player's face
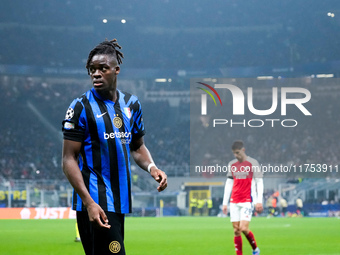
point(240, 154)
point(103, 71)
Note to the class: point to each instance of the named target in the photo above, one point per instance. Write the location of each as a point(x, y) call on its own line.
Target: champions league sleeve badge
point(69, 114)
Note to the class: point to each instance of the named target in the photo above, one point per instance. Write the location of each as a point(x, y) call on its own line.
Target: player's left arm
point(227, 192)
point(259, 191)
point(143, 158)
point(258, 178)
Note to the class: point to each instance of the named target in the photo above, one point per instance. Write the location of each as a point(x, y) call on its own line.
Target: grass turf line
point(178, 235)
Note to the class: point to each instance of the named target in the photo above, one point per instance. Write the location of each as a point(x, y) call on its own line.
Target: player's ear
point(117, 70)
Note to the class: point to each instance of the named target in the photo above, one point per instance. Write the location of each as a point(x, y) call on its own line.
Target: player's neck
point(243, 159)
point(111, 95)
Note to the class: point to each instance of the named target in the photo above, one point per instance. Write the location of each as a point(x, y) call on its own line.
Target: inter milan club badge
point(114, 247)
point(117, 122)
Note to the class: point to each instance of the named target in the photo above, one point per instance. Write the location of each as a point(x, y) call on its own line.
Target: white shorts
point(241, 211)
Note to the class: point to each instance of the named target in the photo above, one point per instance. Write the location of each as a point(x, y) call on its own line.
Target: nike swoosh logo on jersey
point(101, 115)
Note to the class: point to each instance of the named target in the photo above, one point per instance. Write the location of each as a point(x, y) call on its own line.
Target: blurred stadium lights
point(325, 75)
point(265, 77)
point(123, 21)
point(161, 80)
point(118, 18)
point(331, 14)
point(209, 80)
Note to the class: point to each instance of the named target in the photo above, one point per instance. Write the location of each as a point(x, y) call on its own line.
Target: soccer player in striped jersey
point(102, 129)
point(244, 188)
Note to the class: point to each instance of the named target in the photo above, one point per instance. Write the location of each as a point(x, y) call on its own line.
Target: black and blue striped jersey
point(105, 129)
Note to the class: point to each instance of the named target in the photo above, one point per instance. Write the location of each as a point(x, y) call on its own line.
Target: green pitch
point(178, 235)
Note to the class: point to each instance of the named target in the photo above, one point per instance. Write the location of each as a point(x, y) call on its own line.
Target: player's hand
point(97, 216)
point(160, 177)
point(259, 207)
point(225, 209)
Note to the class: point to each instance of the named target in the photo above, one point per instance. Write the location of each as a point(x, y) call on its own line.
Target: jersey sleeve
point(138, 129)
point(227, 190)
point(258, 173)
point(230, 173)
point(74, 122)
point(259, 190)
point(258, 182)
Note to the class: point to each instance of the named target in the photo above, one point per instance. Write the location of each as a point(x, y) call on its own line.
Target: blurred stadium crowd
point(32, 111)
point(199, 34)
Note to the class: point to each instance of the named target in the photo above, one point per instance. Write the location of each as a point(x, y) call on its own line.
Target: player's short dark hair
point(106, 48)
point(237, 145)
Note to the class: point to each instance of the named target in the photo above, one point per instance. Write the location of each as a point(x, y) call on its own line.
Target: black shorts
point(101, 240)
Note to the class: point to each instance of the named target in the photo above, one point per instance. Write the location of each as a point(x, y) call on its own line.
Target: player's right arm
point(227, 192)
point(71, 169)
